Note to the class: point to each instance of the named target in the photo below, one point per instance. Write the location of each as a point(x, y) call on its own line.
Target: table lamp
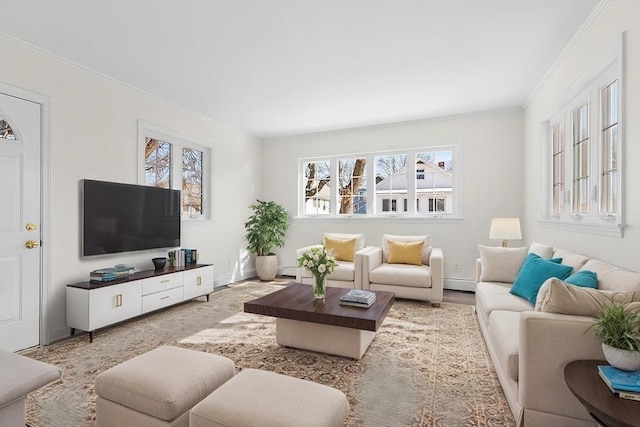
point(505, 229)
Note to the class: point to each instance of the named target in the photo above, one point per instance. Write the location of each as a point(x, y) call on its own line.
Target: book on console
point(620, 381)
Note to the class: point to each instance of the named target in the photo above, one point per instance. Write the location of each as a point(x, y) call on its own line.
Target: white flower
point(304, 262)
point(315, 257)
point(310, 264)
point(322, 268)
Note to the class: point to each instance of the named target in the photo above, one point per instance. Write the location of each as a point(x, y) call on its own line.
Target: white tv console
point(92, 306)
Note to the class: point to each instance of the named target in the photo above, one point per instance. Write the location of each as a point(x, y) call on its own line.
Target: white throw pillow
point(501, 264)
point(543, 251)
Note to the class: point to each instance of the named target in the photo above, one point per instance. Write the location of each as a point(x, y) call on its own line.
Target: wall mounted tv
point(124, 217)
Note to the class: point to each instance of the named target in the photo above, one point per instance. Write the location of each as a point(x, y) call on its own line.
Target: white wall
point(490, 148)
point(94, 135)
point(600, 36)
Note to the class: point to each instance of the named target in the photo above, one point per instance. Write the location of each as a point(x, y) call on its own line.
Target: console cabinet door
point(115, 303)
point(198, 282)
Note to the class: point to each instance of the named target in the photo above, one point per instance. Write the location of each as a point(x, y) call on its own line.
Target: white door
point(19, 223)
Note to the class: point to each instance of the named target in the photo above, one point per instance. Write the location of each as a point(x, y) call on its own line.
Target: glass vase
point(320, 287)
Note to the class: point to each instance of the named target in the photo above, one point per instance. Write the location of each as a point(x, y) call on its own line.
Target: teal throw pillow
point(534, 272)
point(584, 278)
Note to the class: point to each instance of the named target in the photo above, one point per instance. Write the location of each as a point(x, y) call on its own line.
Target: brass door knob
point(32, 244)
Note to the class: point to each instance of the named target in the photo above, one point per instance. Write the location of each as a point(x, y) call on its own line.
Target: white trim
point(459, 284)
point(45, 201)
point(603, 229)
point(147, 129)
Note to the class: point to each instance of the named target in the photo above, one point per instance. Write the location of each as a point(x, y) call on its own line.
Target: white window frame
point(588, 89)
point(372, 210)
point(178, 142)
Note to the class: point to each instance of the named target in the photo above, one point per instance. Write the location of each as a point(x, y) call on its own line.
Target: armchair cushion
point(405, 252)
point(344, 249)
point(426, 247)
point(402, 275)
point(347, 236)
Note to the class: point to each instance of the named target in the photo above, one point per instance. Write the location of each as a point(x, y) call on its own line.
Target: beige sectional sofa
point(530, 346)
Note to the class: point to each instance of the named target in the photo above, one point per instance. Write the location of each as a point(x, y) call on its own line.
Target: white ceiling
point(280, 68)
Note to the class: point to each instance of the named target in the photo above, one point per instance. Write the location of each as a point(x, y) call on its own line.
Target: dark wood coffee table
point(322, 325)
point(606, 408)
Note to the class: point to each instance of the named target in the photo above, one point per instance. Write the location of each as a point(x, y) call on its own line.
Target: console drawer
point(198, 282)
point(161, 283)
point(161, 299)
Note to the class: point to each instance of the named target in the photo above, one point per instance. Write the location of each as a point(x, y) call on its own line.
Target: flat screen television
point(125, 217)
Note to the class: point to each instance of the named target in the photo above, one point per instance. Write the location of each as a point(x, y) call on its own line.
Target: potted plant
point(619, 330)
point(265, 229)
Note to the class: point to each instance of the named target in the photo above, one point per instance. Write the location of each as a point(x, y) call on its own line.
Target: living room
point(92, 128)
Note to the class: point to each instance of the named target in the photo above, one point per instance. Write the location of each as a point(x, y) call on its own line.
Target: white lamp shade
point(505, 229)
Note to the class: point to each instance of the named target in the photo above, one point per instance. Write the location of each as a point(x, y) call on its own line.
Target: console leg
point(73, 331)
point(207, 297)
point(90, 337)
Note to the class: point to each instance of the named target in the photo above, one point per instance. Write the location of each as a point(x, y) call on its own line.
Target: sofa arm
point(478, 270)
point(370, 260)
point(299, 253)
point(548, 341)
point(436, 263)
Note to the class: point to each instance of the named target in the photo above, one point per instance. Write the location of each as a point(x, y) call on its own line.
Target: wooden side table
point(606, 408)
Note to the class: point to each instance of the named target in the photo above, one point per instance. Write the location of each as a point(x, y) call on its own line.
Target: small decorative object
point(320, 262)
point(619, 330)
point(265, 229)
point(172, 258)
point(159, 263)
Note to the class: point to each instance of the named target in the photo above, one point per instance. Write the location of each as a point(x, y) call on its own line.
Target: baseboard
point(460, 285)
point(287, 270)
point(227, 279)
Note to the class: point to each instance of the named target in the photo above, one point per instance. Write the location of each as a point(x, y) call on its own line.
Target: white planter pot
point(622, 359)
point(267, 267)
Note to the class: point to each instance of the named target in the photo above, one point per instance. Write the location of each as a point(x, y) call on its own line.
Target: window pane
point(610, 104)
point(157, 164)
point(581, 196)
point(317, 191)
point(352, 175)
point(192, 188)
point(5, 130)
point(437, 186)
point(391, 180)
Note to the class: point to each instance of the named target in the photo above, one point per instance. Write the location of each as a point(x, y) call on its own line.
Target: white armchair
point(348, 274)
point(422, 282)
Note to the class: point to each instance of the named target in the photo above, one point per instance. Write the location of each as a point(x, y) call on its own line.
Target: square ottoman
point(158, 388)
point(256, 398)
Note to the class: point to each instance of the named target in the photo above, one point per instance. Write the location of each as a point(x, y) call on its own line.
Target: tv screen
point(124, 217)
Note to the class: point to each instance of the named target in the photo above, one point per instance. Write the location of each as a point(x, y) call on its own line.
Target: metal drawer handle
point(164, 297)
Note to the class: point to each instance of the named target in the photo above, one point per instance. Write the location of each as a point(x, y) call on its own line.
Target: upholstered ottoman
point(259, 398)
point(158, 388)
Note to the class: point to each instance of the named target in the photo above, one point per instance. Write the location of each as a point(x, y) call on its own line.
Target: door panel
point(19, 206)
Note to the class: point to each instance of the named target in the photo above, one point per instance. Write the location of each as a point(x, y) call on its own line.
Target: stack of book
point(113, 273)
point(623, 383)
point(358, 298)
point(183, 257)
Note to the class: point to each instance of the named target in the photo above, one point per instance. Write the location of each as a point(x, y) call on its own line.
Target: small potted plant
point(619, 330)
point(265, 229)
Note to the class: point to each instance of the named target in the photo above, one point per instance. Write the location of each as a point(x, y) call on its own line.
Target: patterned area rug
point(426, 366)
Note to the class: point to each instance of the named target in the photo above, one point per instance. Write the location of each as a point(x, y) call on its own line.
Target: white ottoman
point(256, 398)
point(158, 388)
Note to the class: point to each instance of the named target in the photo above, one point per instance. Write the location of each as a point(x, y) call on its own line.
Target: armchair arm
point(358, 265)
point(478, 269)
point(370, 260)
point(299, 253)
point(436, 262)
point(548, 341)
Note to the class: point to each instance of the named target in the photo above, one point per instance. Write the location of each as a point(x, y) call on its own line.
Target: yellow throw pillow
point(342, 249)
point(405, 252)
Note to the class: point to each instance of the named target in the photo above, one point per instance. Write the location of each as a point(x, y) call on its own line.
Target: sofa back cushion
point(569, 258)
point(426, 247)
point(543, 251)
point(612, 278)
point(500, 264)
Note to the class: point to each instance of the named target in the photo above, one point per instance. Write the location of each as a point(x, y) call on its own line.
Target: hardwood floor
point(459, 297)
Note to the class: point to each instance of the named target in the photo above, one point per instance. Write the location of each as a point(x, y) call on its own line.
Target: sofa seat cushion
point(345, 271)
point(402, 275)
point(503, 328)
point(492, 296)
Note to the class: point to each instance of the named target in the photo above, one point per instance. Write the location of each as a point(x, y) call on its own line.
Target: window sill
point(383, 218)
point(606, 229)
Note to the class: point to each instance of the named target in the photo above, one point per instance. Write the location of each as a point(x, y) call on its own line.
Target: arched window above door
point(6, 132)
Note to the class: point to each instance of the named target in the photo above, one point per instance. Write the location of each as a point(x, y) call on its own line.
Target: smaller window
point(436, 204)
point(317, 191)
point(420, 173)
point(157, 163)
point(192, 185)
point(5, 130)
